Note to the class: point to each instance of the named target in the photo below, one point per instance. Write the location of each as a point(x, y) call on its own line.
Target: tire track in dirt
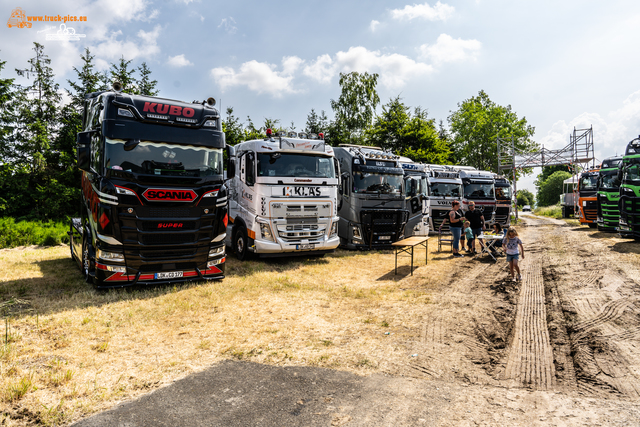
point(600, 304)
point(530, 359)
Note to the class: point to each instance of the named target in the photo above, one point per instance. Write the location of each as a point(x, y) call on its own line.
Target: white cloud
point(321, 70)
point(373, 25)
point(145, 46)
point(229, 25)
point(179, 61)
point(259, 77)
point(290, 65)
point(439, 12)
point(611, 132)
point(394, 69)
point(448, 49)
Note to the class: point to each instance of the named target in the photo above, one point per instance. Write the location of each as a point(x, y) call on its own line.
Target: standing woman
point(456, 220)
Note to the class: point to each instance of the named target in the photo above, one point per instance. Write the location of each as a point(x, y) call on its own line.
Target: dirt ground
point(561, 347)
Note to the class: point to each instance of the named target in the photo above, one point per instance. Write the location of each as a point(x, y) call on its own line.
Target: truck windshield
point(295, 165)
point(365, 182)
point(632, 173)
point(609, 180)
point(588, 182)
point(478, 191)
point(503, 193)
point(158, 158)
point(441, 189)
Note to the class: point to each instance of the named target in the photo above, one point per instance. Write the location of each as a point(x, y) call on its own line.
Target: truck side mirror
point(84, 150)
point(620, 173)
point(231, 162)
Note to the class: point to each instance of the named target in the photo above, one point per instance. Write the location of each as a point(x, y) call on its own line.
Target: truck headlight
point(109, 256)
point(216, 252)
point(215, 262)
point(116, 268)
point(356, 232)
point(334, 229)
point(265, 230)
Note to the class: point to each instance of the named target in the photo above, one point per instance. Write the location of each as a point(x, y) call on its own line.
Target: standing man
point(476, 218)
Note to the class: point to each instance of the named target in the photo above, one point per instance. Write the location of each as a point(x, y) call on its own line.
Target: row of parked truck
point(607, 196)
point(160, 203)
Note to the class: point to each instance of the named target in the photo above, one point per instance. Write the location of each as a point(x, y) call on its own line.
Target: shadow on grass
point(60, 280)
point(604, 235)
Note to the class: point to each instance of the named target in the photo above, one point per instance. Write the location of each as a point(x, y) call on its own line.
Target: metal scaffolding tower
point(579, 152)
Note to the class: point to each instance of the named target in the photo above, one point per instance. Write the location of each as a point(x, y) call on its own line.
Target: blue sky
point(558, 63)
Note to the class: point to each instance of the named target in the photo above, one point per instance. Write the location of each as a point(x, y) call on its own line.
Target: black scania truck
point(153, 208)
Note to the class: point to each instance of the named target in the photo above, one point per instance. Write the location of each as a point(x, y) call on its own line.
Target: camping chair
point(444, 238)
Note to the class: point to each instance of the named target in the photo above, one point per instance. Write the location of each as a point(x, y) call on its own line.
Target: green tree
point(34, 159)
point(551, 189)
point(316, 123)
point(475, 127)
point(122, 73)
point(547, 171)
point(8, 92)
point(355, 108)
point(525, 197)
point(411, 135)
point(232, 128)
point(146, 86)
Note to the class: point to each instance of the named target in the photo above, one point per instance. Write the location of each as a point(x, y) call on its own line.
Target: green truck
point(608, 195)
point(629, 203)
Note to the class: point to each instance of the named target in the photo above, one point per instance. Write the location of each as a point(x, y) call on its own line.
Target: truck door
point(247, 182)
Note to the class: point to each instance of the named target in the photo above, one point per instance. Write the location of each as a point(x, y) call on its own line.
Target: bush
point(554, 211)
point(24, 233)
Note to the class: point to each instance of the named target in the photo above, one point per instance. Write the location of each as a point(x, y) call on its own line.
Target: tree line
point(38, 174)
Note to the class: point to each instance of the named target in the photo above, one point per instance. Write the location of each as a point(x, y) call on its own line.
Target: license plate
point(302, 191)
point(384, 237)
point(306, 246)
point(169, 275)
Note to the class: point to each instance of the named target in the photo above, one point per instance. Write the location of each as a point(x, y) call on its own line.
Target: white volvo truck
point(282, 196)
point(445, 186)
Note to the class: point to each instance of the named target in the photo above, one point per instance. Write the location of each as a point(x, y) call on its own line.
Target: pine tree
point(145, 85)
point(34, 159)
point(121, 73)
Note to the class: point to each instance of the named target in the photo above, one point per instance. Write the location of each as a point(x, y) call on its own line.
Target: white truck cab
point(282, 196)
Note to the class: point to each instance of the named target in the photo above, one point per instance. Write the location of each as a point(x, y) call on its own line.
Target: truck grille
point(440, 215)
point(166, 213)
point(167, 238)
point(382, 223)
point(300, 231)
point(167, 253)
point(163, 225)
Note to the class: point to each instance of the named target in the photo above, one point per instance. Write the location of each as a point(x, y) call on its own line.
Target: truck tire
point(88, 265)
point(241, 244)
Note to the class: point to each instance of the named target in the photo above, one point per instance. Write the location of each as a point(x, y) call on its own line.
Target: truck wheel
point(241, 244)
point(87, 264)
point(73, 256)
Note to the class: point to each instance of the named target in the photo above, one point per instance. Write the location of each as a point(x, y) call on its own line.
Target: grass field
point(68, 350)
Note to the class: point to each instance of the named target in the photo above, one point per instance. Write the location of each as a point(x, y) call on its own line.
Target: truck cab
point(588, 197)
point(608, 195)
point(445, 186)
point(504, 201)
point(153, 207)
point(283, 196)
point(569, 196)
point(372, 198)
point(479, 186)
point(416, 197)
point(629, 203)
